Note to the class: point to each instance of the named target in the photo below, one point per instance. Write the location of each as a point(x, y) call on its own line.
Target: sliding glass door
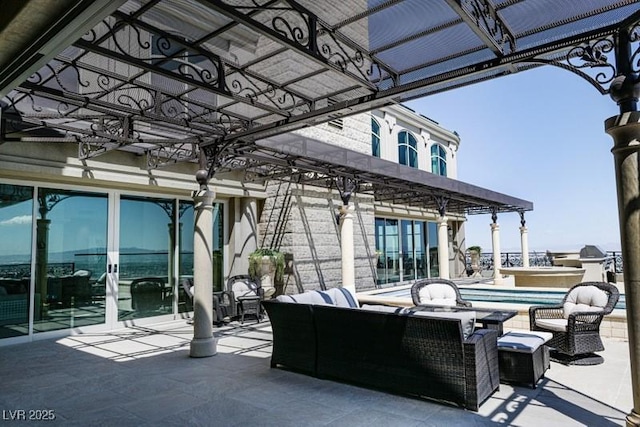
point(146, 257)
point(70, 259)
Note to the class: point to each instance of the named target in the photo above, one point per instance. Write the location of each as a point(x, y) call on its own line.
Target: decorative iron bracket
point(522, 220)
point(482, 18)
point(162, 156)
point(346, 187)
point(442, 205)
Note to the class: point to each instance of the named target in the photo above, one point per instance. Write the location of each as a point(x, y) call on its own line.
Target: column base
point(498, 280)
point(633, 419)
point(203, 347)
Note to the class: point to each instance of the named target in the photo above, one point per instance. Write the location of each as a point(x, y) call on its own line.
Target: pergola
point(220, 81)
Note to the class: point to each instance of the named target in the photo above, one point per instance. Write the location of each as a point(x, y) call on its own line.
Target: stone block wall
point(302, 221)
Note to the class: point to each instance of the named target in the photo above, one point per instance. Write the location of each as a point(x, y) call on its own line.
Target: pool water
point(517, 296)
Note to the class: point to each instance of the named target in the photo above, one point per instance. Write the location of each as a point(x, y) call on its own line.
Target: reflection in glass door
point(388, 250)
point(408, 257)
point(70, 259)
point(420, 247)
point(16, 206)
point(147, 257)
point(434, 265)
point(419, 256)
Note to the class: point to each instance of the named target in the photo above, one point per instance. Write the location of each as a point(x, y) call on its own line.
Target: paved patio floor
point(143, 376)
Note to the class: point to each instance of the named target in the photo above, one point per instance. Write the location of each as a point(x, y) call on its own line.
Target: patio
point(144, 376)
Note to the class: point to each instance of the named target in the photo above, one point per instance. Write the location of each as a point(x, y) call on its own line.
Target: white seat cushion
point(523, 341)
point(437, 294)
point(384, 308)
point(243, 289)
point(467, 319)
point(559, 325)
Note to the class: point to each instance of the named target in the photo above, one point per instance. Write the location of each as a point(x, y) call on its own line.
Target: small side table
point(523, 356)
point(249, 305)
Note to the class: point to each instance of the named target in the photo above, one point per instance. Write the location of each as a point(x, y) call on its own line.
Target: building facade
point(81, 239)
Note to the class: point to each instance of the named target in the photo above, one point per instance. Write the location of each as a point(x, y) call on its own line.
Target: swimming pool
point(513, 296)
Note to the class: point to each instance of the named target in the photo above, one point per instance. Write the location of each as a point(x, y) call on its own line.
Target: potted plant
point(475, 252)
point(268, 266)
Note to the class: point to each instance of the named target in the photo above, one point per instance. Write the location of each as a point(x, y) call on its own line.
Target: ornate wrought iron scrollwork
point(164, 155)
point(486, 18)
point(634, 37)
point(593, 60)
point(303, 29)
point(346, 187)
point(442, 203)
point(593, 55)
point(174, 57)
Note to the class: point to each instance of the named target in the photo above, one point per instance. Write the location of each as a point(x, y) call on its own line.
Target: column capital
point(495, 226)
point(347, 210)
point(523, 229)
point(204, 197)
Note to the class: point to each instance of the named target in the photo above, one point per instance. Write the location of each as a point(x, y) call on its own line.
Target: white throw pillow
point(309, 297)
point(437, 294)
point(585, 298)
point(343, 297)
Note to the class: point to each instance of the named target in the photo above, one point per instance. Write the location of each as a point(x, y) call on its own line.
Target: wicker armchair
point(437, 292)
point(575, 323)
point(247, 295)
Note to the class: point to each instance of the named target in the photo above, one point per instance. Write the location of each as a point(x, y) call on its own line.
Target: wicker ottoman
point(523, 356)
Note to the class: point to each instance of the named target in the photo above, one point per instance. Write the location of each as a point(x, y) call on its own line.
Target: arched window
point(438, 160)
point(407, 149)
point(375, 138)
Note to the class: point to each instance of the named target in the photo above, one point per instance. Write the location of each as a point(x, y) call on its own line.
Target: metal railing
point(537, 259)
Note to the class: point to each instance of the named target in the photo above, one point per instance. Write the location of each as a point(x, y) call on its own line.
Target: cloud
point(17, 220)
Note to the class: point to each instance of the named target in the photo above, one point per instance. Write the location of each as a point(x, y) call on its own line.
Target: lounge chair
point(575, 322)
point(437, 292)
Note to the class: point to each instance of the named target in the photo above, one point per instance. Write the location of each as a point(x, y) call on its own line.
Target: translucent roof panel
point(228, 73)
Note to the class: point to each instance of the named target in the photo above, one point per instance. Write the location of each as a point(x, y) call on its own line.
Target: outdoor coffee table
point(489, 318)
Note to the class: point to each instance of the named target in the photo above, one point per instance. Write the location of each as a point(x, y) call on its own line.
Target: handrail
point(536, 259)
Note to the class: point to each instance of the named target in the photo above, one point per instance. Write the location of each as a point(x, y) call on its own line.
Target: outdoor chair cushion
point(467, 319)
point(340, 297)
point(558, 325)
point(437, 294)
point(384, 308)
point(585, 298)
point(244, 288)
point(309, 297)
point(523, 342)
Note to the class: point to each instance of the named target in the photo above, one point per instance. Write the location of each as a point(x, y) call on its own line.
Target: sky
point(537, 135)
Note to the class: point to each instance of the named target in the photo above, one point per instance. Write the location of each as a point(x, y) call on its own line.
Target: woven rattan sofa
point(389, 348)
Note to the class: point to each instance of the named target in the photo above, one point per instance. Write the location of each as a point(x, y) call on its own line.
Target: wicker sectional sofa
point(389, 348)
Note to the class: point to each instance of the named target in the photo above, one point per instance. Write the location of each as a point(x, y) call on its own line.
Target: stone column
point(346, 245)
point(203, 343)
point(443, 248)
point(524, 243)
point(497, 259)
point(625, 131)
